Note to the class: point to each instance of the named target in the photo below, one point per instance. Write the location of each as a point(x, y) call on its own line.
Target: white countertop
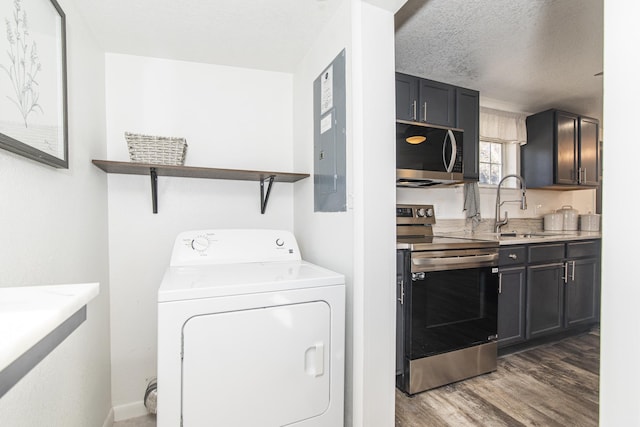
point(30, 313)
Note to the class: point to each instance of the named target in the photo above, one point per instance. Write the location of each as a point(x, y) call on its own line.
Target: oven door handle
point(458, 261)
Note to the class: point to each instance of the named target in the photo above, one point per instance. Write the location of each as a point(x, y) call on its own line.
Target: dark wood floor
point(551, 385)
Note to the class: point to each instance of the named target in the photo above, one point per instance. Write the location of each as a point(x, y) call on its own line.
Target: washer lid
point(209, 281)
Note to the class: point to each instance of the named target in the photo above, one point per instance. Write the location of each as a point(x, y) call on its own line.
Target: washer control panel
point(229, 246)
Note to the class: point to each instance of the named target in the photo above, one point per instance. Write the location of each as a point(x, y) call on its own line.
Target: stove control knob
point(200, 243)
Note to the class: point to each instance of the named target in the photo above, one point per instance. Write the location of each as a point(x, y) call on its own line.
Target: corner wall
point(620, 340)
point(360, 242)
point(232, 118)
point(53, 224)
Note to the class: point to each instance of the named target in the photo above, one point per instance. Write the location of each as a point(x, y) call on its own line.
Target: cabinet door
point(582, 292)
point(511, 306)
point(589, 152)
point(468, 119)
point(545, 296)
point(567, 146)
point(437, 103)
point(406, 97)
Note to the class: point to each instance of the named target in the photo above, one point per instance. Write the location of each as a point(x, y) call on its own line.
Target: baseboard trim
point(108, 422)
point(130, 410)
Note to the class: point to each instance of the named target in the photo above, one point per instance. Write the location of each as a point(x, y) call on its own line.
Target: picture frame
point(33, 81)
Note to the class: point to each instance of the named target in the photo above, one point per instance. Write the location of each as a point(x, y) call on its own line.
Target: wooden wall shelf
point(154, 171)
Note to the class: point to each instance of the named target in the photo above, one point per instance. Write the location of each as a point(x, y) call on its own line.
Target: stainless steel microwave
point(427, 155)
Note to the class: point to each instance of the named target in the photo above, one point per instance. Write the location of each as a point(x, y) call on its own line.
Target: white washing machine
point(249, 334)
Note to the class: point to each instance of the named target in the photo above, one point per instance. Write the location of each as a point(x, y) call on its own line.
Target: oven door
point(450, 309)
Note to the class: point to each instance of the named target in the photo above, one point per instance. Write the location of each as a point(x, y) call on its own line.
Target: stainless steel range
point(447, 305)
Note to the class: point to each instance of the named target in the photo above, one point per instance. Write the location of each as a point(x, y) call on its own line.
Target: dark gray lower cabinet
point(582, 292)
point(547, 289)
point(511, 306)
point(545, 297)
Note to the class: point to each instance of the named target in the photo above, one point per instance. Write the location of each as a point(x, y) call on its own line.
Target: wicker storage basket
point(158, 150)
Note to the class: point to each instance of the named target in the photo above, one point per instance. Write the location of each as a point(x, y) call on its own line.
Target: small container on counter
point(590, 222)
point(553, 221)
point(569, 218)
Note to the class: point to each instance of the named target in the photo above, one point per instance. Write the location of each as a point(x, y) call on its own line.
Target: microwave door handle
point(454, 151)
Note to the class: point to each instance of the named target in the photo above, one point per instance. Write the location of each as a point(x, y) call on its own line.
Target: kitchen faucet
point(522, 201)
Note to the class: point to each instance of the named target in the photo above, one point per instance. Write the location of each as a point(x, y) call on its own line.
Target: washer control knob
point(429, 212)
point(200, 243)
point(279, 242)
point(421, 212)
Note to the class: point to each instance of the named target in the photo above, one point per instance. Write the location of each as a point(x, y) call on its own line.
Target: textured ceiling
point(532, 54)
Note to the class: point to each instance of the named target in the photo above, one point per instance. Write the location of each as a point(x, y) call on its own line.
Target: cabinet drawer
point(553, 252)
point(581, 249)
point(512, 255)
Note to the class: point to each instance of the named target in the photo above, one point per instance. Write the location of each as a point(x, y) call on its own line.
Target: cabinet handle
point(573, 271)
point(414, 107)
point(425, 112)
point(513, 256)
point(582, 175)
point(565, 277)
point(500, 283)
point(401, 299)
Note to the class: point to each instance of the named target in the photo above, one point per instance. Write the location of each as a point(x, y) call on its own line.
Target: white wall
point(53, 224)
point(232, 118)
point(374, 210)
point(620, 337)
point(360, 242)
point(325, 238)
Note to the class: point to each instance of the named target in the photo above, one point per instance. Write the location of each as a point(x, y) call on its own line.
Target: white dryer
point(249, 334)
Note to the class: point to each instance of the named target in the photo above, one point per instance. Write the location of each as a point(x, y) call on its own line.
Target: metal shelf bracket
point(264, 199)
point(154, 189)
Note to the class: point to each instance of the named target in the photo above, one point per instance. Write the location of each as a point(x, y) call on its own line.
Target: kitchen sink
point(523, 235)
point(538, 235)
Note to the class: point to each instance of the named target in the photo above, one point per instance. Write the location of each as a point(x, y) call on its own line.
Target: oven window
point(452, 310)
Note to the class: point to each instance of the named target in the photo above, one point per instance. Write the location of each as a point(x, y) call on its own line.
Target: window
point(501, 134)
point(497, 160)
point(490, 162)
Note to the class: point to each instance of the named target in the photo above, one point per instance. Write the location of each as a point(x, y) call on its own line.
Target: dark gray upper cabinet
point(468, 119)
point(406, 97)
point(562, 150)
point(590, 160)
point(437, 103)
point(425, 101)
point(442, 104)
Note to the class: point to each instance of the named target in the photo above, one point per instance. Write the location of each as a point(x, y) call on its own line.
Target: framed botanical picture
point(33, 81)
